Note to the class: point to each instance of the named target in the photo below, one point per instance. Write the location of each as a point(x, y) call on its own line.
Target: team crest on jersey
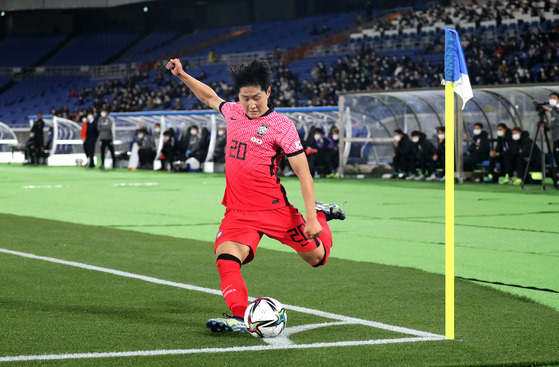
point(262, 130)
point(298, 145)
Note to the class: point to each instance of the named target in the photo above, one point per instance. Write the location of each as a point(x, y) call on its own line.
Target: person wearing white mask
point(105, 125)
point(334, 155)
point(520, 152)
point(146, 149)
point(319, 149)
point(554, 123)
point(478, 150)
point(423, 151)
point(403, 159)
point(91, 134)
point(438, 161)
point(502, 149)
point(197, 148)
point(220, 144)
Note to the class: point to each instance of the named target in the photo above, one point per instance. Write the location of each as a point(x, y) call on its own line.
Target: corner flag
point(455, 69)
point(456, 80)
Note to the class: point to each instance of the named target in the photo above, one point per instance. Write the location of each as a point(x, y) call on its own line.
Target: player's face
point(254, 100)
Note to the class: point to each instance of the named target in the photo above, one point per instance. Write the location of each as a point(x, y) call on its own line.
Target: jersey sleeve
point(225, 108)
point(290, 143)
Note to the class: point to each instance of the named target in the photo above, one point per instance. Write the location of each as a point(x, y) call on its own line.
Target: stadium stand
point(27, 49)
point(398, 48)
point(92, 48)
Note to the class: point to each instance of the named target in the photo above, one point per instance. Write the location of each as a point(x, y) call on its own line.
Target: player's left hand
point(313, 229)
point(175, 66)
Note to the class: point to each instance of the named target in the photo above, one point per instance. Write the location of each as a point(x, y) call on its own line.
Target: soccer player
point(256, 202)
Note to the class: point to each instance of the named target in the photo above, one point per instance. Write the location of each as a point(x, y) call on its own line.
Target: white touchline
point(282, 342)
point(136, 184)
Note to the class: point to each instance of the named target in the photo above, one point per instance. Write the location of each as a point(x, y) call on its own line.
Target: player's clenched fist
point(175, 66)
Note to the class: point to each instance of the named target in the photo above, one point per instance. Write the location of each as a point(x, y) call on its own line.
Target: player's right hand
point(175, 66)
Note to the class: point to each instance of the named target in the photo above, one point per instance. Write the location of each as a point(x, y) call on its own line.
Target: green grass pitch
point(142, 274)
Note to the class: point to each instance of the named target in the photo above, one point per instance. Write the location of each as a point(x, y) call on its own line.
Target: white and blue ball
point(265, 318)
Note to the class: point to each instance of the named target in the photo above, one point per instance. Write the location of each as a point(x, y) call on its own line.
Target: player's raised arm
point(204, 93)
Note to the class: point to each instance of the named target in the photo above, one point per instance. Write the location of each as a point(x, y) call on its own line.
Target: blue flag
point(455, 69)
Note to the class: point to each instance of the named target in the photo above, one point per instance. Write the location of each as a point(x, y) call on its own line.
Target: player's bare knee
point(313, 257)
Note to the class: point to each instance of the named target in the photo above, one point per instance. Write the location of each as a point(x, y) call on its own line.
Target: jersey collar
point(270, 110)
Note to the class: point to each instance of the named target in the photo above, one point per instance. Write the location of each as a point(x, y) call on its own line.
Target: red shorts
point(285, 224)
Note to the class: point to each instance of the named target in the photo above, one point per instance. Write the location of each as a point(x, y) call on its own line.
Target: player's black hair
point(554, 94)
point(254, 73)
point(503, 125)
point(440, 128)
point(416, 133)
point(478, 124)
point(399, 131)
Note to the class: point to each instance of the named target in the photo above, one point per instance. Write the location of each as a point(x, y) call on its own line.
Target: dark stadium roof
point(11, 5)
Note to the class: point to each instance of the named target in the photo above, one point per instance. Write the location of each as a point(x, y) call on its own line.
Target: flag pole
point(449, 210)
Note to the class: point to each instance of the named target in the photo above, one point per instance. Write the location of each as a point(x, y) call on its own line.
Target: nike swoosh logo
point(232, 118)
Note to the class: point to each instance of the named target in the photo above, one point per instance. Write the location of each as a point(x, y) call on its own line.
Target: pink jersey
point(254, 150)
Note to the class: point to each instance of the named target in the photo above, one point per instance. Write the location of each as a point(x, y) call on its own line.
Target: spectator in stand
point(319, 149)
point(423, 151)
point(519, 157)
point(220, 144)
point(478, 150)
point(37, 133)
point(106, 125)
point(146, 149)
point(438, 161)
point(212, 57)
point(502, 148)
point(403, 158)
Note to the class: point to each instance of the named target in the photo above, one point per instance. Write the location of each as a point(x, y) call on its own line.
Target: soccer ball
point(265, 318)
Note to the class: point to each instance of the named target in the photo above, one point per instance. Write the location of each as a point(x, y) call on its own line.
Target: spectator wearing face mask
point(146, 149)
point(520, 153)
point(105, 125)
point(502, 148)
point(438, 161)
point(335, 153)
point(554, 124)
point(318, 150)
point(423, 151)
point(478, 150)
point(91, 134)
point(156, 134)
point(220, 144)
point(167, 150)
point(197, 148)
point(403, 158)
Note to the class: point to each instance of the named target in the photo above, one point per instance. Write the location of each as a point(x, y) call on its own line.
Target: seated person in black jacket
point(478, 150)
point(196, 148)
point(167, 154)
point(439, 157)
point(520, 154)
point(423, 151)
point(220, 144)
point(403, 156)
point(146, 149)
point(502, 149)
